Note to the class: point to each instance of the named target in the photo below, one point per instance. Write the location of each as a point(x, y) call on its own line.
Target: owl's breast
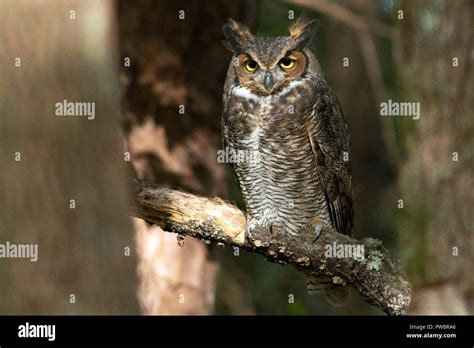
point(278, 175)
point(250, 118)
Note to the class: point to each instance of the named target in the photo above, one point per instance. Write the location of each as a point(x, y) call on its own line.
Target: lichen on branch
point(376, 276)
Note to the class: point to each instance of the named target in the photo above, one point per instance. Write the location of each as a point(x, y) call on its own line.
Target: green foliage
point(270, 20)
point(297, 308)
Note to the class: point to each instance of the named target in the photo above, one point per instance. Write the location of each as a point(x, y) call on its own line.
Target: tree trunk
point(436, 61)
point(172, 128)
point(57, 171)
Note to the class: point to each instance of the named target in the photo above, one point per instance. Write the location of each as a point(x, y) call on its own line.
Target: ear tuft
point(239, 28)
point(227, 45)
point(303, 30)
point(236, 34)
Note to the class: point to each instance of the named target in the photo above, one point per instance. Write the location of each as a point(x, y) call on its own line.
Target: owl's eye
point(251, 65)
point(287, 63)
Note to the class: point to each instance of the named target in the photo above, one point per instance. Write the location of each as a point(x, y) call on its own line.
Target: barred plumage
point(279, 110)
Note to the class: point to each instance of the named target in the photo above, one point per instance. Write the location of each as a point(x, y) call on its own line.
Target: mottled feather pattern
point(299, 136)
point(285, 188)
point(282, 114)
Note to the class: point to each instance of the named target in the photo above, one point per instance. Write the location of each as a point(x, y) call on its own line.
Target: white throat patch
point(244, 92)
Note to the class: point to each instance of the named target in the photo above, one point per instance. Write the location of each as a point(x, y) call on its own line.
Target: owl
point(290, 140)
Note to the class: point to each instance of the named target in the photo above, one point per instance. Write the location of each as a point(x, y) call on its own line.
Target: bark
point(377, 277)
point(63, 158)
point(436, 178)
point(176, 62)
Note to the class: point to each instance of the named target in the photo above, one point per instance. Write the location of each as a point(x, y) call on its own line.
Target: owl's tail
point(335, 294)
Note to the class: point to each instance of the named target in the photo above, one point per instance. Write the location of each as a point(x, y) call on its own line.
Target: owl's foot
point(254, 227)
point(315, 227)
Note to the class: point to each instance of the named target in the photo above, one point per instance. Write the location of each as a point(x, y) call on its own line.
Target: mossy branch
point(376, 276)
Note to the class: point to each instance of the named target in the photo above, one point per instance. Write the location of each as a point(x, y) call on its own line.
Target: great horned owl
point(293, 145)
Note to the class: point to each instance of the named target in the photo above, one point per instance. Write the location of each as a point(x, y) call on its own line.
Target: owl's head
point(265, 65)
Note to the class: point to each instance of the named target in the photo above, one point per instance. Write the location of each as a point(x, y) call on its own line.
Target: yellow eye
point(251, 65)
point(287, 63)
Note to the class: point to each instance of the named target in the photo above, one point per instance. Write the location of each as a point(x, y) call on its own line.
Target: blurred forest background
point(141, 62)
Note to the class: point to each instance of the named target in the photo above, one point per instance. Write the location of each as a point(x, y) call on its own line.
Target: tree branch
point(377, 277)
point(343, 15)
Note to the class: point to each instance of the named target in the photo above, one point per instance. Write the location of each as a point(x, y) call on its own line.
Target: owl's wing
point(330, 141)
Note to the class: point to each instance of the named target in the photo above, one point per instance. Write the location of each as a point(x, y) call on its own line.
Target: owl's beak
point(268, 81)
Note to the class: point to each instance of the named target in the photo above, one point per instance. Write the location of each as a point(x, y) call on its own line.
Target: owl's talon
point(253, 225)
point(317, 230)
point(249, 232)
point(315, 226)
point(271, 229)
